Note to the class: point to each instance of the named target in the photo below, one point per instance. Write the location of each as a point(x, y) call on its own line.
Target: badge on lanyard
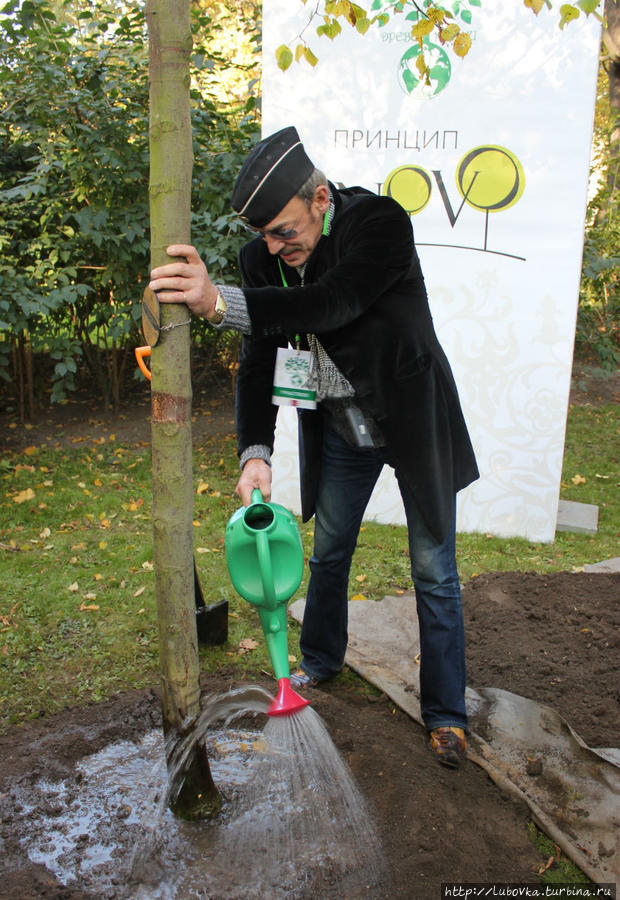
point(293, 379)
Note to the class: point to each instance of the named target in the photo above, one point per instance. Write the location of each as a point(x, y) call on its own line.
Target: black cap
point(272, 174)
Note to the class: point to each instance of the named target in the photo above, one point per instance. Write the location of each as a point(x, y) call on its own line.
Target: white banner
point(491, 161)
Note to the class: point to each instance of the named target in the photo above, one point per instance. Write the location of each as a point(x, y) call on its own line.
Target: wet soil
point(553, 638)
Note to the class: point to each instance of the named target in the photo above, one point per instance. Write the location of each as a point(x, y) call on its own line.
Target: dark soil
point(553, 638)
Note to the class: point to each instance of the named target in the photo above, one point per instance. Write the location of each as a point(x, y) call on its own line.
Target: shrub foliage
point(74, 237)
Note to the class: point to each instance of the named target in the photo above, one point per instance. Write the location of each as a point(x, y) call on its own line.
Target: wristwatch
point(219, 311)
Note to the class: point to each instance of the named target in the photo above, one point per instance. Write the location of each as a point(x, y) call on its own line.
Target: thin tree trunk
point(27, 350)
point(19, 378)
point(170, 45)
point(611, 40)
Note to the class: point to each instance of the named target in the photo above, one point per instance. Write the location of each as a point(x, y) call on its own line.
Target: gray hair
point(306, 191)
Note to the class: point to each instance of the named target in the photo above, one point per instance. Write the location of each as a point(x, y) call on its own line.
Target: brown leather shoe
point(449, 746)
point(300, 680)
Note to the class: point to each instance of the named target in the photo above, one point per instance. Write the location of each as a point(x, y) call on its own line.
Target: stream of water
point(294, 825)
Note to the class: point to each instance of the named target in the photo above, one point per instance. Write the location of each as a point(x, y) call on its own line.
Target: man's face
point(303, 223)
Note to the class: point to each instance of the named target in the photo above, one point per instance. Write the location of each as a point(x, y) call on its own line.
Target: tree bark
point(611, 41)
point(170, 44)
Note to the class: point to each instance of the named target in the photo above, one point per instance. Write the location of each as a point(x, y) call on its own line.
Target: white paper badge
point(293, 379)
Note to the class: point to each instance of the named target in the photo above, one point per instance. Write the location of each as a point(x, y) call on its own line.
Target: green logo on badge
point(297, 369)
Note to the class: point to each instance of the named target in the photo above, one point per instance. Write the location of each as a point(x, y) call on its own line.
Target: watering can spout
point(287, 700)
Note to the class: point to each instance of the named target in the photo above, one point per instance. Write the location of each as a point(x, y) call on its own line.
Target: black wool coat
point(364, 297)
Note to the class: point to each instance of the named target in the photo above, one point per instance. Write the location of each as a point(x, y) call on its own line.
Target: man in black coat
point(334, 274)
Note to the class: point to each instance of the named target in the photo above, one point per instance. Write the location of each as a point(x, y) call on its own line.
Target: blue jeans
point(347, 479)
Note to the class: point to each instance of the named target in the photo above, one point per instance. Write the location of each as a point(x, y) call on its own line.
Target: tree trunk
point(611, 41)
point(170, 44)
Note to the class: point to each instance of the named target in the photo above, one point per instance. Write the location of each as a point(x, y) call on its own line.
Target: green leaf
point(310, 57)
point(284, 57)
point(588, 6)
point(568, 13)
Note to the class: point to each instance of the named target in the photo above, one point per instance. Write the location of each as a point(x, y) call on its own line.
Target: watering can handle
point(263, 551)
point(140, 353)
point(266, 569)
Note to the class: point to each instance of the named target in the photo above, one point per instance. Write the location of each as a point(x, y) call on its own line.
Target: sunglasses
point(278, 234)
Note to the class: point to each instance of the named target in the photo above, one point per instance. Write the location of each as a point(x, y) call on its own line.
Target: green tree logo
point(297, 369)
point(425, 68)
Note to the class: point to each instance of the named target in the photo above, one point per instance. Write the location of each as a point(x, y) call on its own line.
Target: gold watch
point(219, 311)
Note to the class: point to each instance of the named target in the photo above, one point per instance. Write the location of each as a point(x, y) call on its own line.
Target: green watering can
point(265, 561)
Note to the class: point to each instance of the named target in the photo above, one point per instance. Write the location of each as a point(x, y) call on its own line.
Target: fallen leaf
point(29, 451)
point(74, 588)
point(247, 644)
point(22, 496)
point(578, 479)
point(360, 578)
point(140, 590)
point(85, 606)
point(202, 487)
point(45, 533)
point(90, 596)
point(97, 482)
point(98, 576)
point(547, 865)
point(148, 566)
point(358, 597)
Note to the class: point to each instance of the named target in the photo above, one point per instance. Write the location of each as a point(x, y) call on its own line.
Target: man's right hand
point(256, 474)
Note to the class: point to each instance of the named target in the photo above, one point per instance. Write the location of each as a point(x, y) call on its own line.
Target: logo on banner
point(489, 179)
point(437, 60)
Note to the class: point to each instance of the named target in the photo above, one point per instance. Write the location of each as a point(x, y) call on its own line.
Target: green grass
point(77, 609)
point(562, 870)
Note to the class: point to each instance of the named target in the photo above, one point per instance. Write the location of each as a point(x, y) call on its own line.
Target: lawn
point(77, 611)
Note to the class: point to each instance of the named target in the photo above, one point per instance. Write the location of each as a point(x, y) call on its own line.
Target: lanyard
point(285, 284)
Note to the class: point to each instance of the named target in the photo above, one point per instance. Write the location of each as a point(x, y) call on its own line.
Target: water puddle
point(293, 824)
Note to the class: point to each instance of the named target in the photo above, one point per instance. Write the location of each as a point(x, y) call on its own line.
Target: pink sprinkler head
point(287, 702)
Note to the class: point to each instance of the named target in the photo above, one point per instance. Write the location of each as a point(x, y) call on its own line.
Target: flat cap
point(272, 174)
